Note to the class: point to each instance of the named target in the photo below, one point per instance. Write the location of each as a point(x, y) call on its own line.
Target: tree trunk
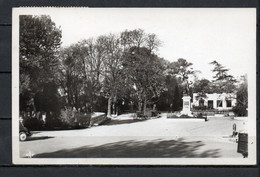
point(114, 104)
point(131, 107)
point(139, 102)
point(145, 104)
point(117, 110)
point(139, 105)
point(114, 108)
point(76, 99)
point(109, 106)
point(68, 97)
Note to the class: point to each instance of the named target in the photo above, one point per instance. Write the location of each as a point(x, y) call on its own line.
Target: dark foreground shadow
point(137, 149)
point(38, 138)
point(126, 121)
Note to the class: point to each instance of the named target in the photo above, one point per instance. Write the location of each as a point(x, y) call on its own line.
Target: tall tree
point(242, 97)
point(242, 92)
point(39, 42)
point(94, 56)
point(171, 97)
point(113, 70)
point(82, 67)
point(145, 72)
point(133, 38)
point(138, 38)
point(220, 71)
point(223, 82)
point(183, 70)
point(201, 86)
point(71, 74)
point(152, 42)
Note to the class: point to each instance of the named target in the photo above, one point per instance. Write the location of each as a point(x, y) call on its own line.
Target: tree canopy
point(223, 82)
point(109, 72)
point(183, 70)
point(145, 72)
point(39, 42)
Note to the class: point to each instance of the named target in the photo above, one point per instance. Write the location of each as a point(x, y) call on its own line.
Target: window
point(201, 103)
point(219, 103)
point(210, 104)
point(228, 103)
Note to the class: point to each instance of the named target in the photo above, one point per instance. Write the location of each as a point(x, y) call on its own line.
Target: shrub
point(201, 115)
point(82, 120)
point(140, 114)
point(67, 116)
point(74, 119)
point(33, 124)
point(240, 110)
point(53, 122)
point(185, 116)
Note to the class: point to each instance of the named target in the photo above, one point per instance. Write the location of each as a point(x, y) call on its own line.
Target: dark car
point(23, 132)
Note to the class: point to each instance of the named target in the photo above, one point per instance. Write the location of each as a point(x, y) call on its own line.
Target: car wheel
point(22, 136)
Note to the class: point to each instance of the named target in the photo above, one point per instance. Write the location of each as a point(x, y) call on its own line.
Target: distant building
point(219, 101)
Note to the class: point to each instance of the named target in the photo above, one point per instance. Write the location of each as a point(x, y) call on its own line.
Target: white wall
point(215, 97)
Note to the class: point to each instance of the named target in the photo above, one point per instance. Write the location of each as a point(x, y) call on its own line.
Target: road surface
point(125, 137)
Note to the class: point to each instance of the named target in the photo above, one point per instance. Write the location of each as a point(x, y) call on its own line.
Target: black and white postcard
point(134, 86)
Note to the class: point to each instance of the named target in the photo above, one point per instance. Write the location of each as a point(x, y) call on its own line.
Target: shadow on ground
point(39, 138)
point(126, 121)
point(137, 149)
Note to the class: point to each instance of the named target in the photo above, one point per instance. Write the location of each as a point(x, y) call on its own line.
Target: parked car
point(24, 133)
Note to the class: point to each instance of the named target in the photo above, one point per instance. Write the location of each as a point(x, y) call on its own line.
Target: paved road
point(125, 137)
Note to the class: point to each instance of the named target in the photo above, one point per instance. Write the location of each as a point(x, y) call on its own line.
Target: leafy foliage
point(39, 42)
point(202, 86)
point(220, 72)
point(223, 81)
point(122, 69)
point(242, 98)
point(145, 72)
point(171, 98)
point(113, 70)
point(183, 70)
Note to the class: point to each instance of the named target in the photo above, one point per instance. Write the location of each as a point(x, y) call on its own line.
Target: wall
point(215, 97)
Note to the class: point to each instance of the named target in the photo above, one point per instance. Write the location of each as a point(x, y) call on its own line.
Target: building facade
point(219, 101)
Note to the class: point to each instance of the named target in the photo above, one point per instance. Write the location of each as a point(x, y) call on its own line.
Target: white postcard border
point(251, 160)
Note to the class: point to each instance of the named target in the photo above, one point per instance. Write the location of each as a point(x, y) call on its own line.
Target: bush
point(240, 110)
point(201, 115)
point(74, 119)
point(53, 122)
point(67, 116)
point(140, 114)
point(185, 116)
point(33, 124)
point(82, 120)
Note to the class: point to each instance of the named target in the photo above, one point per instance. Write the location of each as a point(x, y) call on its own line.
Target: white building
point(219, 101)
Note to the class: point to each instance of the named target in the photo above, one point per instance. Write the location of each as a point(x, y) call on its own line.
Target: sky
point(197, 35)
